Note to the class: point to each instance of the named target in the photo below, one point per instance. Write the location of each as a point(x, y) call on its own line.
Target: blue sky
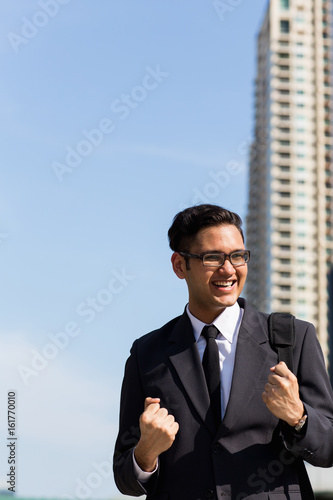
point(115, 115)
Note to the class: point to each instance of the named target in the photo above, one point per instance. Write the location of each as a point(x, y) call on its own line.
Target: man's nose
point(227, 266)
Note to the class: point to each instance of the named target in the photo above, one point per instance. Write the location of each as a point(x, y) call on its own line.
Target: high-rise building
point(290, 213)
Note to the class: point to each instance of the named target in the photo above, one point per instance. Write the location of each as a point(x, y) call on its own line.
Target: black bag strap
point(281, 327)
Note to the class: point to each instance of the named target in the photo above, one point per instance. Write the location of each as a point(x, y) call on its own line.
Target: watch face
point(300, 424)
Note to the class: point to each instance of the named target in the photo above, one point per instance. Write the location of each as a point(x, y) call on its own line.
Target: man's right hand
point(158, 431)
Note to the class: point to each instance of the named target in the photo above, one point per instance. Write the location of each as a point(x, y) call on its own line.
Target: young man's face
point(212, 289)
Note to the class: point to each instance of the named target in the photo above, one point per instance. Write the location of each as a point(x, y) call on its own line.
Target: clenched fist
point(158, 431)
point(281, 395)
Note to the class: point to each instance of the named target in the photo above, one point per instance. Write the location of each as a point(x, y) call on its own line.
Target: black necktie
point(211, 366)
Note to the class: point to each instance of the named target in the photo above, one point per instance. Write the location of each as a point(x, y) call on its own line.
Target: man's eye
point(212, 258)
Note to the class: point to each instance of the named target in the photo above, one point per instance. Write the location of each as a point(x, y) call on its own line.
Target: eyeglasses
point(236, 258)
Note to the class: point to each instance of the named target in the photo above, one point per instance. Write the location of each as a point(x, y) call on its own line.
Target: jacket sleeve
point(131, 407)
point(314, 443)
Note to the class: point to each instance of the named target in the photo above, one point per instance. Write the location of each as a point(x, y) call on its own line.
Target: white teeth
point(224, 283)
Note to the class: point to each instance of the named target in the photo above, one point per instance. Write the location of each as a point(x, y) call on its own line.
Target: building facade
point(290, 212)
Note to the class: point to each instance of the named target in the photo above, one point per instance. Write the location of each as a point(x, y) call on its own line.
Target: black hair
point(189, 222)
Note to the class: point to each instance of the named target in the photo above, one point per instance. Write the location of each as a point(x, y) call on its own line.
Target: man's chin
point(227, 301)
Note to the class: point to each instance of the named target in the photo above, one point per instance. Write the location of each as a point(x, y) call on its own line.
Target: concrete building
point(290, 213)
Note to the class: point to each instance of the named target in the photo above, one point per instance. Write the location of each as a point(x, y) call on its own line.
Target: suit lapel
point(250, 362)
point(184, 356)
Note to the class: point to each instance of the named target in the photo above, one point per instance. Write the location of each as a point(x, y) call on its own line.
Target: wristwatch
point(300, 423)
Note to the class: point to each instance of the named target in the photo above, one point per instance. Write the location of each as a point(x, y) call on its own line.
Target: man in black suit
point(180, 438)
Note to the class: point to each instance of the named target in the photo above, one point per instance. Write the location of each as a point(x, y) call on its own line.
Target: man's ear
point(178, 265)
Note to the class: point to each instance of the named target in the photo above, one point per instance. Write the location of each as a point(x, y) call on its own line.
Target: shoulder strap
point(281, 328)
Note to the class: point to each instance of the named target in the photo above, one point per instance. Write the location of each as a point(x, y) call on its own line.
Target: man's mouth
point(224, 284)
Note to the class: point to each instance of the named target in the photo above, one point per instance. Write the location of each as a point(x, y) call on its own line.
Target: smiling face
point(212, 289)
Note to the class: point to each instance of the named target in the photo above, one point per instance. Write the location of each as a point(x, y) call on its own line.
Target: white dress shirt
point(228, 323)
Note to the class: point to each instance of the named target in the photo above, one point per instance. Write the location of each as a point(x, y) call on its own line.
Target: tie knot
point(210, 332)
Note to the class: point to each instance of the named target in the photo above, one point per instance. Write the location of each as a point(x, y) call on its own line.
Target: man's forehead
point(221, 234)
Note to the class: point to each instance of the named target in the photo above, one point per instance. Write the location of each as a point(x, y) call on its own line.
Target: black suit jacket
point(251, 455)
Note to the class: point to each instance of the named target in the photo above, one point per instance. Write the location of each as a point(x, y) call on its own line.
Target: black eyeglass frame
point(223, 257)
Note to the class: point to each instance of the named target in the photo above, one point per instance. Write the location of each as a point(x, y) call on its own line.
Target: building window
point(285, 261)
point(284, 26)
point(284, 4)
point(284, 220)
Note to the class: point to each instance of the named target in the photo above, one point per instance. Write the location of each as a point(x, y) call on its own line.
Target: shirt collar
point(226, 322)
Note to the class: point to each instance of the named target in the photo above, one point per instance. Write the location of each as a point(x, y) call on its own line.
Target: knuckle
point(284, 384)
point(162, 413)
point(144, 418)
point(170, 419)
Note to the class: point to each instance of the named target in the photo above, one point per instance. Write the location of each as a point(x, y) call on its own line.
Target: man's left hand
point(281, 395)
